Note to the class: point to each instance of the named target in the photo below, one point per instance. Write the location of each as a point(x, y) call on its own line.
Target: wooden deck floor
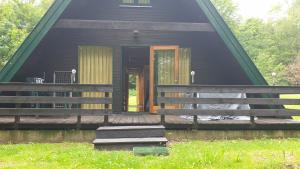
point(172, 122)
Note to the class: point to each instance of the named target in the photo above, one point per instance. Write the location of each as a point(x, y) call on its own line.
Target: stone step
point(130, 132)
point(128, 143)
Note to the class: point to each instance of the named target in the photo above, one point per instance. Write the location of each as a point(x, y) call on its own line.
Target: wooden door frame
point(152, 73)
point(140, 89)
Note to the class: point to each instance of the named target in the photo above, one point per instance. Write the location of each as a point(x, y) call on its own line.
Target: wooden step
point(130, 132)
point(128, 143)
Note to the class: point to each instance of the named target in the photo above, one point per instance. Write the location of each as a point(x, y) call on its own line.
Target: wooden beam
point(134, 25)
point(50, 99)
point(252, 112)
point(19, 87)
point(64, 112)
point(251, 101)
point(229, 89)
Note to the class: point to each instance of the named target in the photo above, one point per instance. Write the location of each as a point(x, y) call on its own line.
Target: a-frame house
point(160, 41)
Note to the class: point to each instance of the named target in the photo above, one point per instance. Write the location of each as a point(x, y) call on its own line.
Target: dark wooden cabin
point(161, 41)
point(83, 51)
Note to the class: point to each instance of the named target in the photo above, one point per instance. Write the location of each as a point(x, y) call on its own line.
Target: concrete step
point(128, 143)
point(130, 132)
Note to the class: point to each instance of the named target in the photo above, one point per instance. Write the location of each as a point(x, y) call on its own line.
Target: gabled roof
point(55, 11)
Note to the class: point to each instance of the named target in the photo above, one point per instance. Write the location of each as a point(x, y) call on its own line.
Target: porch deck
point(172, 122)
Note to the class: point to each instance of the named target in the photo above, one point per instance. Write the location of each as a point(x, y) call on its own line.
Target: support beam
point(134, 25)
point(117, 80)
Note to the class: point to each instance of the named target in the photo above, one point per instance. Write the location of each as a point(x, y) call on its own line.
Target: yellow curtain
point(128, 1)
point(95, 67)
point(166, 67)
point(166, 70)
point(144, 2)
point(184, 66)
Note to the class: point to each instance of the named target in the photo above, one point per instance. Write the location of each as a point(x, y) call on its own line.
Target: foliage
point(272, 44)
point(294, 72)
point(292, 96)
point(17, 19)
point(236, 154)
point(132, 81)
point(228, 11)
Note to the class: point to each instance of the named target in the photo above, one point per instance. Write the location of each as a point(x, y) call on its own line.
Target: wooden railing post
point(78, 123)
point(252, 120)
point(17, 118)
point(162, 106)
point(106, 117)
point(195, 107)
point(17, 121)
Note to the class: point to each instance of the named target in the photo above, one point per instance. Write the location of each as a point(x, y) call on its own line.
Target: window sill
point(135, 6)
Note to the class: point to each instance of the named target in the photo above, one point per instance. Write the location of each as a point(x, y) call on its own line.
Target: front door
point(169, 65)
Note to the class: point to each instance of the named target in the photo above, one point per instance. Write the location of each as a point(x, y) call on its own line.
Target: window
point(135, 3)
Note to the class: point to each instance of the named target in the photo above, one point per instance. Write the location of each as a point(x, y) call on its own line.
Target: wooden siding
point(161, 10)
point(212, 67)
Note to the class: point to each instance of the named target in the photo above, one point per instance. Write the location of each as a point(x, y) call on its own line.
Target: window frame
point(135, 4)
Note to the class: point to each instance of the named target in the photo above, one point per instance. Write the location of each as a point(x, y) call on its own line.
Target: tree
point(17, 19)
point(294, 72)
point(228, 11)
point(273, 44)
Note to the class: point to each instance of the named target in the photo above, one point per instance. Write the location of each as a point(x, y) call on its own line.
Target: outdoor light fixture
point(136, 33)
point(193, 73)
point(73, 76)
point(274, 74)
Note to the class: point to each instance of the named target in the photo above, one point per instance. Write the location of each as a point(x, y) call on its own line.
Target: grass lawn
point(295, 96)
point(265, 154)
point(132, 103)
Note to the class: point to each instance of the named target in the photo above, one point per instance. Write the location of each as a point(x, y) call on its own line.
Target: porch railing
point(24, 99)
point(264, 101)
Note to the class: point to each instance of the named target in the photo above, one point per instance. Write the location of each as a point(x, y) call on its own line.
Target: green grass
point(292, 96)
point(132, 103)
point(260, 154)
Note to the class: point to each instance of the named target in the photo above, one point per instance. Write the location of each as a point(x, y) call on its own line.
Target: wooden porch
point(172, 123)
point(34, 106)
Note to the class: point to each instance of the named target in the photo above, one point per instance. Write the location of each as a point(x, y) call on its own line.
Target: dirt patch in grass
point(6, 164)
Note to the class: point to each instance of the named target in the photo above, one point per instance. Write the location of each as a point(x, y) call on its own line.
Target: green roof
point(58, 7)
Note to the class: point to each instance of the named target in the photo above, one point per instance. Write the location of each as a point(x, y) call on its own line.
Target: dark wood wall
point(212, 61)
point(161, 11)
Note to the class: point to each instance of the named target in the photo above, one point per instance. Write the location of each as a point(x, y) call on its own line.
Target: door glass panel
point(166, 73)
point(171, 66)
point(165, 67)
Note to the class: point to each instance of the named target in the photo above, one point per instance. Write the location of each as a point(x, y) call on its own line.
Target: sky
point(258, 8)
